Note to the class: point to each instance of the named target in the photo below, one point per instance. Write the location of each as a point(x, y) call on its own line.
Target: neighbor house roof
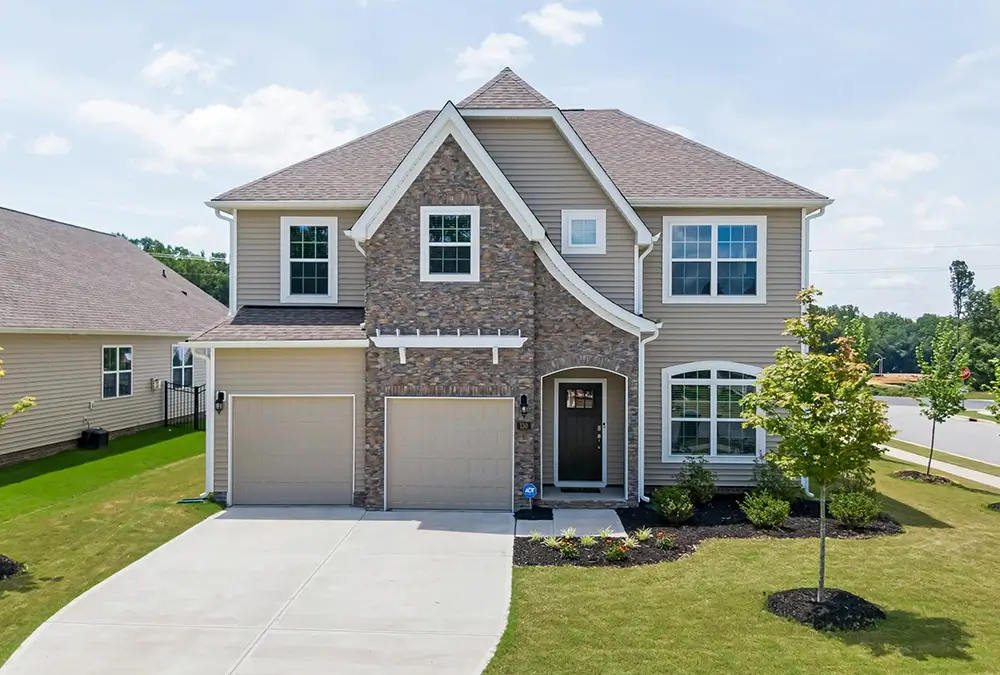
point(281, 323)
point(643, 160)
point(60, 277)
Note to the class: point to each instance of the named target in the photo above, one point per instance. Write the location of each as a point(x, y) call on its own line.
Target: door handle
point(600, 429)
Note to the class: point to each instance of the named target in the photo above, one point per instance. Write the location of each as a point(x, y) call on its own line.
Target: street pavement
point(971, 404)
point(959, 436)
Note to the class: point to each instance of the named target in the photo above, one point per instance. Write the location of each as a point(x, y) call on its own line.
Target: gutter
point(207, 356)
point(641, 484)
point(231, 219)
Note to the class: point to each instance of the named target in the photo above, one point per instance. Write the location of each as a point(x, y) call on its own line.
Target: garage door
point(449, 453)
point(293, 450)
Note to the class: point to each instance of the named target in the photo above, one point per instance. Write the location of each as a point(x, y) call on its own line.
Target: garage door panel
point(450, 453)
point(293, 450)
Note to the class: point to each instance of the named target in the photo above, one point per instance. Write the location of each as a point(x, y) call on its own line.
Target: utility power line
point(903, 248)
point(899, 269)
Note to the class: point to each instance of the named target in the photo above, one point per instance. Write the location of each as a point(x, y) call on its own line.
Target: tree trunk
point(822, 544)
point(930, 455)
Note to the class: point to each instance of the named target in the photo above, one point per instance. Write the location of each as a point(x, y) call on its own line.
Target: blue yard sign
point(530, 491)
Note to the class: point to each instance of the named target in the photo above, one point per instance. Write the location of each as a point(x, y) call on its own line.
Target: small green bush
point(854, 509)
point(769, 477)
point(643, 533)
point(765, 510)
point(616, 552)
point(588, 540)
point(629, 542)
point(551, 542)
point(568, 550)
point(859, 480)
point(665, 541)
point(536, 535)
point(697, 479)
point(673, 503)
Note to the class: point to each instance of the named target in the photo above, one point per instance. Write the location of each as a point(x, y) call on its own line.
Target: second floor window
point(714, 259)
point(449, 243)
point(309, 259)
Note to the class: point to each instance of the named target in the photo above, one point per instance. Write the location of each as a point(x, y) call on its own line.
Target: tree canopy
point(209, 273)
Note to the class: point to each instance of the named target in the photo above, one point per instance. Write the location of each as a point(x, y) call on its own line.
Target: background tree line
point(210, 274)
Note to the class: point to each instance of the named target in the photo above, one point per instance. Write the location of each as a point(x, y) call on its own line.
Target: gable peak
point(506, 90)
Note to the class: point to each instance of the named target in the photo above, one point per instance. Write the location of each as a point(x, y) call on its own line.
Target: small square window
point(583, 232)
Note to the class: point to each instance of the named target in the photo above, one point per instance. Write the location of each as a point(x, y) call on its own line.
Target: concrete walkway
point(272, 591)
point(960, 471)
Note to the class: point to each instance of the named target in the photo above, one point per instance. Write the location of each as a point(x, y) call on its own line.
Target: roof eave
point(729, 202)
point(228, 206)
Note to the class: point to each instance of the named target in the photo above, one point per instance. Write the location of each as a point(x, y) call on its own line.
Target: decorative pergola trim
point(457, 341)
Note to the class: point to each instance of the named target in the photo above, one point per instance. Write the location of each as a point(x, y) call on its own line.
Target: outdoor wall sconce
point(220, 401)
point(524, 405)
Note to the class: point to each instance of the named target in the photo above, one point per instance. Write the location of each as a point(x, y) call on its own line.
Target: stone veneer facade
point(515, 293)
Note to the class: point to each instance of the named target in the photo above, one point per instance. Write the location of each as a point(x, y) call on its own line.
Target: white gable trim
point(643, 236)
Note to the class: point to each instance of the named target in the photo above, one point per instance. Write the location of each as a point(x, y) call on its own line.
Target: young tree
point(19, 406)
point(940, 390)
point(820, 405)
point(963, 281)
point(993, 388)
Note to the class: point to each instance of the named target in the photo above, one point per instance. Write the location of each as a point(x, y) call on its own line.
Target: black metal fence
point(183, 406)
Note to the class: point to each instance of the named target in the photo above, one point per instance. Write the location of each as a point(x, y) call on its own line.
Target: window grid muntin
point(735, 380)
point(589, 230)
point(309, 260)
point(450, 258)
point(116, 364)
point(689, 257)
point(182, 366)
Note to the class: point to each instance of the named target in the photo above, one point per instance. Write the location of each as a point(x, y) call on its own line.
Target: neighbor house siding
point(747, 334)
point(550, 177)
point(64, 374)
point(288, 371)
point(258, 258)
point(615, 399)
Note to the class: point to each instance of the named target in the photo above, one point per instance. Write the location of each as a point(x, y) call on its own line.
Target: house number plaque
point(523, 425)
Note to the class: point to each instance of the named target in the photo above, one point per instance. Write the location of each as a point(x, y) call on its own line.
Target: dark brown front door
point(581, 430)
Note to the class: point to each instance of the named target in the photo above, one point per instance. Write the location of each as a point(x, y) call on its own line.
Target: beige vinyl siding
point(747, 334)
point(615, 397)
point(258, 258)
point(64, 374)
point(550, 177)
point(289, 371)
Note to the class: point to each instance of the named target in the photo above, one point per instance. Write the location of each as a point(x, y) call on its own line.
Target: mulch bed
point(9, 568)
point(840, 610)
point(921, 477)
point(534, 513)
point(995, 506)
point(529, 553)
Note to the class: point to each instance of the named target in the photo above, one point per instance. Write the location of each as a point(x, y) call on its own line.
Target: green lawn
point(76, 518)
point(978, 414)
point(703, 614)
point(957, 460)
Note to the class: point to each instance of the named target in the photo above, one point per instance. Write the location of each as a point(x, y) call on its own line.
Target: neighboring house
point(479, 297)
point(91, 327)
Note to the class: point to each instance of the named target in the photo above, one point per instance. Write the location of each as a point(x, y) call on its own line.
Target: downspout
point(222, 215)
point(806, 221)
point(357, 244)
point(641, 483)
point(639, 268)
point(207, 357)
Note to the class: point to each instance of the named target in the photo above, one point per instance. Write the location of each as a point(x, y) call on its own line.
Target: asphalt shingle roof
point(253, 322)
point(63, 277)
point(642, 159)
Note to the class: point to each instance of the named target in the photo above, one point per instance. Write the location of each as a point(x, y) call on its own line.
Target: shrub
point(854, 509)
point(588, 540)
point(697, 479)
point(629, 542)
point(763, 509)
point(860, 480)
point(605, 533)
point(536, 535)
point(568, 550)
point(569, 533)
point(643, 534)
point(665, 541)
point(769, 477)
point(552, 542)
point(673, 503)
point(616, 552)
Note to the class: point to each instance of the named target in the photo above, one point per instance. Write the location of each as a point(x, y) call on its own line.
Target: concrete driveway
point(271, 590)
point(977, 440)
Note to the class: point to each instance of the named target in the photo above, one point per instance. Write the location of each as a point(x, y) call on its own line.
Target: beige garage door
point(293, 450)
point(450, 453)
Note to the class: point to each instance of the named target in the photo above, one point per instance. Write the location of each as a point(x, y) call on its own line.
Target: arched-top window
point(701, 412)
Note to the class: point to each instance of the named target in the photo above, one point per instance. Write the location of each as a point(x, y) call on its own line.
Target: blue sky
point(126, 118)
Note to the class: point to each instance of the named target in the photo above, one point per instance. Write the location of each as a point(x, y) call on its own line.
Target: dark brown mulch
point(529, 553)
point(722, 518)
point(9, 568)
point(534, 513)
point(921, 477)
point(995, 506)
point(840, 610)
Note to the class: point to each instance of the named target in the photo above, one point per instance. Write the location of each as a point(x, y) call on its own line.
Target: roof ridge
point(60, 222)
point(718, 153)
point(507, 75)
point(324, 152)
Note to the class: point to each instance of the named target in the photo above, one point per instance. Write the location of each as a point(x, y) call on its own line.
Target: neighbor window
point(116, 372)
point(182, 366)
point(308, 259)
point(449, 243)
point(583, 232)
point(701, 411)
point(717, 259)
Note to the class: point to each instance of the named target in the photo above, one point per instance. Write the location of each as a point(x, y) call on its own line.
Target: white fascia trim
point(567, 277)
point(450, 341)
point(281, 344)
point(449, 122)
point(643, 236)
point(14, 330)
point(285, 204)
point(727, 202)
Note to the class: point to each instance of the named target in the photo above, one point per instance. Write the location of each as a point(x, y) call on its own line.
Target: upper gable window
point(715, 259)
point(584, 232)
point(449, 243)
point(309, 259)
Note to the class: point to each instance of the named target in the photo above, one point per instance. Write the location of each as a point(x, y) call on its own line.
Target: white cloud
point(972, 58)
point(494, 52)
point(936, 214)
point(5, 140)
point(953, 201)
point(893, 281)
point(892, 166)
point(173, 67)
point(270, 128)
point(49, 145)
point(855, 228)
point(564, 26)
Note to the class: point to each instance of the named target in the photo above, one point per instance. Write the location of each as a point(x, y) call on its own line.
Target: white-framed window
point(309, 259)
point(701, 412)
point(116, 371)
point(584, 231)
point(182, 366)
point(449, 243)
point(715, 259)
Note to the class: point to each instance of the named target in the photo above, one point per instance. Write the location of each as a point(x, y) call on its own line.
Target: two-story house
point(497, 293)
